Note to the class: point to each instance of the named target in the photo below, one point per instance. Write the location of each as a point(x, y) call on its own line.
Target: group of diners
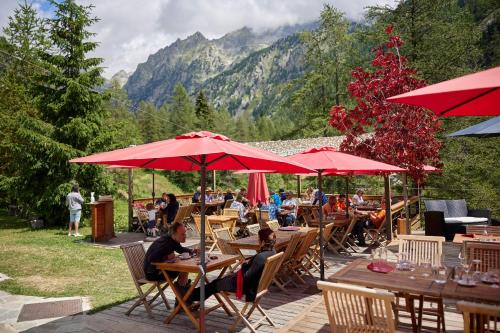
point(164, 249)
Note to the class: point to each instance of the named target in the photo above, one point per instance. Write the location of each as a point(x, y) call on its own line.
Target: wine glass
point(425, 266)
point(466, 267)
point(476, 276)
point(439, 272)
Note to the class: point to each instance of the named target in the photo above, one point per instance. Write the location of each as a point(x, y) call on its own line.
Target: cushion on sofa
point(466, 220)
point(456, 208)
point(437, 206)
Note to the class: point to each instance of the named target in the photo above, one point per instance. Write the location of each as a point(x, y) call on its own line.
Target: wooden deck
point(301, 310)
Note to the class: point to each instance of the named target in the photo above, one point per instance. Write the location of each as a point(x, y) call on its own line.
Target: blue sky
point(130, 30)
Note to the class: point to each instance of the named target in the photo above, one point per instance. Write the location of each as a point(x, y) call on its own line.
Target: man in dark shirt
point(252, 272)
point(197, 195)
point(163, 249)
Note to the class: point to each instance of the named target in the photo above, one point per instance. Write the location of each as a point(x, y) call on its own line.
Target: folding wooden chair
point(253, 229)
point(262, 216)
point(300, 264)
point(231, 212)
point(283, 276)
point(223, 233)
point(273, 225)
point(341, 238)
point(314, 250)
point(134, 255)
point(357, 309)
point(209, 236)
point(271, 267)
point(480, 317)
point(376, 235)
point(142, 218)
point(419, 248)
point(488, 253)
point(228, 203)
point(311, 217)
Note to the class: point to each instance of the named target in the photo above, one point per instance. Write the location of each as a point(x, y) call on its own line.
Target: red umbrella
point(196, 151)
point(475, 94)
point(326, 160)
point(257, 188)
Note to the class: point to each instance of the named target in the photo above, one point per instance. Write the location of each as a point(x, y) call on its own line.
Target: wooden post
point(347, 196)
point(299, 190)
point(153, 193)
point(388, 215)
point(321, 247)
point(130, 199)
point(405, 196)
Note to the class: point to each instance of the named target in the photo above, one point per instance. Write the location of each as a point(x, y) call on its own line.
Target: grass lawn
point(49, 263)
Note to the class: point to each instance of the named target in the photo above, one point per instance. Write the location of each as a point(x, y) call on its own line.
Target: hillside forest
point(55, 104)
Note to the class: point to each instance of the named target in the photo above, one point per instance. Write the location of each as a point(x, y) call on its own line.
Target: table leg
point(182, 300)
point(410, 304)
point(218, 297)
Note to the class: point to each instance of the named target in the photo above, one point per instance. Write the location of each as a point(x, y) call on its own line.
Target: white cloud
point(130, 30)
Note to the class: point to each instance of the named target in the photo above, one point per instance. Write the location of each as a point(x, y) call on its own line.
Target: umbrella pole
point(347, 196)
point(405, 196)
point(388, 217)
point(153, 193)
point(130, 199)
point(202, 243)
point(321, 249)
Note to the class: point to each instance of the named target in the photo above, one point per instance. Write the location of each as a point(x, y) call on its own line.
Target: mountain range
point(243, 70)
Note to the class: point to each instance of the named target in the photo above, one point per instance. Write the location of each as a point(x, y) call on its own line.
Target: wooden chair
point(420, 248)
point(314, 251)
point(357, 309)
point(480, 317)
point(300, 264)
point(142, 218)
point(479, 229)
point(253, 229)
point(488, 253)
point(273, 225)
point(262, 215)
point(209, 236)
point(231, 212)
point(223, 233)
point(283, 277)
point(228, 203)
point(271, 267)
point(376, 235)
point(312, 217)
point(341, 238)
point(134, 255)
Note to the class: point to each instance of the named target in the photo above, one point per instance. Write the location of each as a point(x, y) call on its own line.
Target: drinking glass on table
point(375, 255)
point(476, 276)
point(466, 268)
point(439, 271)
point(425, 266)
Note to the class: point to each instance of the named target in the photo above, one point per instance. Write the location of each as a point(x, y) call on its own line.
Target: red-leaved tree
point(401, 135)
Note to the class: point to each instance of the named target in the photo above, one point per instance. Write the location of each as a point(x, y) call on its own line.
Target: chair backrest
point(197, 224)
point(488, 253)
point(225, 248)
point(231, 212)
point(312, 219)
point(480, 317)
point(142, 215)
point(228, 203)
point(253, 229)
point(262, 215)
point(327, 231)
point(420, 248)
point(291, 247)
point(273, 225)
point(304, 245)
point(134, 255)
point(479, 229)
point(223, 233)
point(348, 230)
point(271, 267)
point(357, 309)
point(182, 212)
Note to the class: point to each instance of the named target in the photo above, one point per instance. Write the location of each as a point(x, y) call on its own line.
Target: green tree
point(71, 117)
point(150, 122)
point(224, 123)
point(182, 112)
point(329, 49)
point(204, 112)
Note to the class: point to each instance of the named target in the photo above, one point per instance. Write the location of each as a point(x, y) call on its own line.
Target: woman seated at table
point(331, 206)
point(341, 203)
point(373, 220)
point(357, 199)
point(251, 271)
point(309, 194)
point(172, 207)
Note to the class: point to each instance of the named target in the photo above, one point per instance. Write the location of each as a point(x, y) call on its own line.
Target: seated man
point(331, 206)
point(237, 204)
point(251, 270)
point(163, 201)
point(320, 195)
point(197, 195)
point(375, 220)
point(276, 198)
point(290, 204)
point(163, 249)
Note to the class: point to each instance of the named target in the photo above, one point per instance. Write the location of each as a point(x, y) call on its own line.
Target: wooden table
point(214, 206)
point(396, 281)
point(222, 221)
point(222, 262)
point(482, 292)
point(460, 238)
point(252, 242)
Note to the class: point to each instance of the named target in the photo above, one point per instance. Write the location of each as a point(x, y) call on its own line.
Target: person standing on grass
point(74, 202)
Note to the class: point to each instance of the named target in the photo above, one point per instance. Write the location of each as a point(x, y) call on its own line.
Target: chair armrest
point(480, 213)
point(434, 223)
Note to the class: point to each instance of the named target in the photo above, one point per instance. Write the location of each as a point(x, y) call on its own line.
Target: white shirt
point(241, 208)
point(291, 202)
point(152, 215)
point(357, 199)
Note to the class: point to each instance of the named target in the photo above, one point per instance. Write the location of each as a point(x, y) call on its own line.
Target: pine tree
point(224, 123)
point(150, 122)
point(182, 112)
point(204, 113)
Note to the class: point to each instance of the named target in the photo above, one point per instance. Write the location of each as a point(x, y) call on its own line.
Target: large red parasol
point(257, 188)
point(328, 161)
point(196, 151)
point(475, 94)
